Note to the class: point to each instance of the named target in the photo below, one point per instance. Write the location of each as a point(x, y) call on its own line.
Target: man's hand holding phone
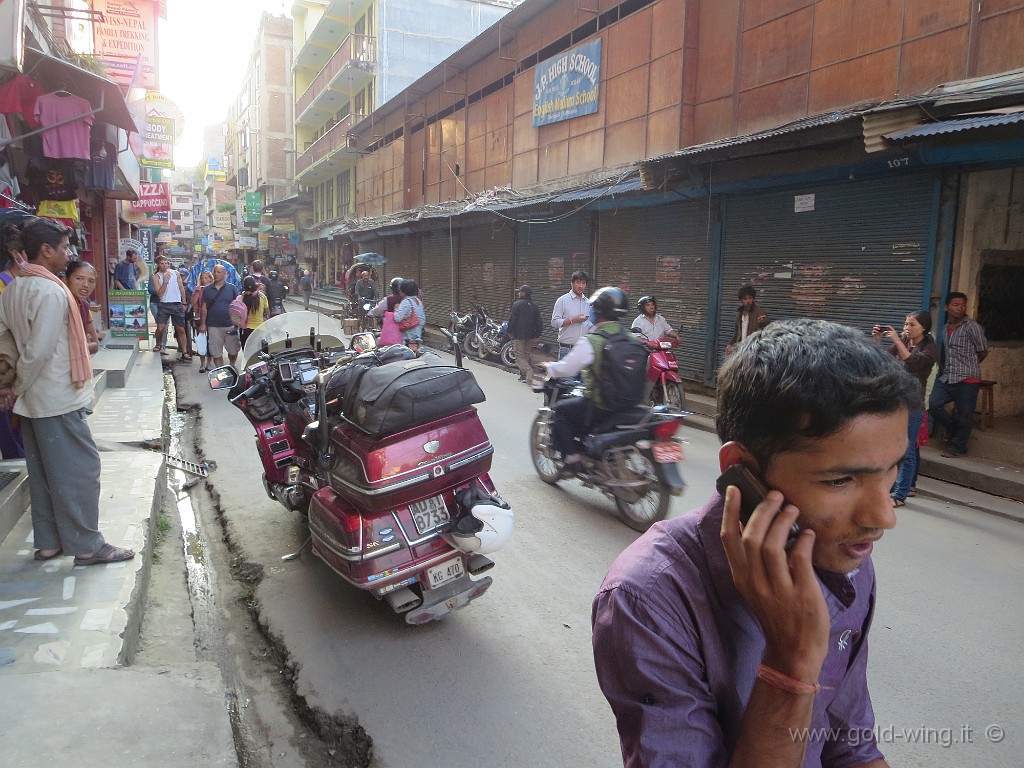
point(777, 583)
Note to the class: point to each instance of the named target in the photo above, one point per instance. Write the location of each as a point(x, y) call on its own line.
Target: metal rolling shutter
point(863, 255)
point(665, 251)
point(403, 255)
point(546, 257)
point(439, 266)
point(485, 269)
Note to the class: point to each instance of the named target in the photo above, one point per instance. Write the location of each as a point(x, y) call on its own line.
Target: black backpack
point(622, 377)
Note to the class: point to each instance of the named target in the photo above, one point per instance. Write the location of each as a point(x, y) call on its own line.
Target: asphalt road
point(509, 681)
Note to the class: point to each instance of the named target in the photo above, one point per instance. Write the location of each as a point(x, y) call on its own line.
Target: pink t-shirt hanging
point(72, 138)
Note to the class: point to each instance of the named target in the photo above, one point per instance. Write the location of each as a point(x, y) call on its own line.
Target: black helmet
point(609, 302)
point(273, 274)
point(396, 284)
point(644, 300)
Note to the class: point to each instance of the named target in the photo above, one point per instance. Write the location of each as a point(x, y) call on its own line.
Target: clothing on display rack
point(69, 137)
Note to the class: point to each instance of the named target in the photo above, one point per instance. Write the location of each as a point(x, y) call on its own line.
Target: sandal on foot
point(912, 492)
point(40, 556)
point(108, 553)
point(898, 502)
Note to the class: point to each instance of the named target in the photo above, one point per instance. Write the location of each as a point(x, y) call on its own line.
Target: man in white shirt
point(170, 291)
point(571, 314)
point(649, 324)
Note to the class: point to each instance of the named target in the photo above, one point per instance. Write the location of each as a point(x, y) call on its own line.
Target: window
point(344, 186)
point(998, 294)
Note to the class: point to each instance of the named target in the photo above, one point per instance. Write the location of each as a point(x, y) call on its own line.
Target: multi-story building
point(855, 161)
point(181, 221)
point(352, 56)
point(259, 129)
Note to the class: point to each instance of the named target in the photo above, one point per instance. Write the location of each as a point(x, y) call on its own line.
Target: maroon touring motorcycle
point(384, 451)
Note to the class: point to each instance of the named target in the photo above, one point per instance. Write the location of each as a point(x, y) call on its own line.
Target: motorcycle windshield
point(296, 327)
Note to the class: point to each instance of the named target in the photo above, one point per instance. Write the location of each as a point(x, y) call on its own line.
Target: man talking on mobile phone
point(715, 643)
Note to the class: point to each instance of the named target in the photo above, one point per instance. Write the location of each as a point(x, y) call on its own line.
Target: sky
point(204, 50)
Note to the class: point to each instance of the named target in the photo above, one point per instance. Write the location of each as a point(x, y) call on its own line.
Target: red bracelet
point(776, 679)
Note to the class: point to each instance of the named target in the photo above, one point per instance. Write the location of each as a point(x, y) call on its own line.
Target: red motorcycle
point(383, 451)
point(664, 387)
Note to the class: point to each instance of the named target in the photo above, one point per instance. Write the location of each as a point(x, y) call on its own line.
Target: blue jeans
point(964, 398)
point(905, 480)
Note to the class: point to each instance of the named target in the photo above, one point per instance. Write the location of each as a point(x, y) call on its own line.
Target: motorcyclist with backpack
point(610, 387)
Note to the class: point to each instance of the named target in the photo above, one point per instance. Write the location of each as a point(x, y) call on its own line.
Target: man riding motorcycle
point(574, 416)
point(649, 323)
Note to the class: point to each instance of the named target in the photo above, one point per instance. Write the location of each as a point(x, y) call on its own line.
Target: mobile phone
point(752, 491)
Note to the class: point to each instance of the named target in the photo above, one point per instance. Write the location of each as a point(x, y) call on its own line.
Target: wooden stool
point(984, 415)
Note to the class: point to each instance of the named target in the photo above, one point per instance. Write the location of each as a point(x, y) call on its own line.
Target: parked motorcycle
point(495, 341)
point(383, 451)
point(632, 458)
point(458, 329)
point(481, 323)
point(664, 386)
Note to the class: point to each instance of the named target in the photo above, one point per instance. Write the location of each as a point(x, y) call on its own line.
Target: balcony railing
point(335, 139)
point(356, 51)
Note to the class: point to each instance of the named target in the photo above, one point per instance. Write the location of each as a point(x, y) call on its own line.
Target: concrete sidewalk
point(68, 633)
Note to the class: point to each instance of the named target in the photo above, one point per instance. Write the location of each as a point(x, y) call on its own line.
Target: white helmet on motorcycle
point(488, 525)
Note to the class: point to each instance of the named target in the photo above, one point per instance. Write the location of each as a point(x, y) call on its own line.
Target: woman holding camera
point(919, 352)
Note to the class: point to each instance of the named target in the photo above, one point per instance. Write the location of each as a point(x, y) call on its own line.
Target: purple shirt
point(677, 650)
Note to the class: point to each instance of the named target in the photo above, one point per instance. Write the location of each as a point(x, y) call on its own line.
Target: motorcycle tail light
point(666, 429)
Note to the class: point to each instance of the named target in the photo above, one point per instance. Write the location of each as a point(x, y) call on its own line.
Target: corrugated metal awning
point(958, 124)
point(592, 193)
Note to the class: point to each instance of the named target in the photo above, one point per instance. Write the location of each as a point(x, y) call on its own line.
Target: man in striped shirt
point(963, 348)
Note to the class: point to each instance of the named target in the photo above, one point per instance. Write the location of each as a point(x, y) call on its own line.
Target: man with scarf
point(52, 393)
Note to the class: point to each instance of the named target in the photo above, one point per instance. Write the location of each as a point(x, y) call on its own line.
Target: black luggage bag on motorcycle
point(409, 393)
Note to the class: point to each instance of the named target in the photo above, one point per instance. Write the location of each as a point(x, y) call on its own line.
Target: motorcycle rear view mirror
point(363, 342)
point(224, 377)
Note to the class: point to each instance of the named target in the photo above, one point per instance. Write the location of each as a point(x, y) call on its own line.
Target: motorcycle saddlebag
point(406, 394)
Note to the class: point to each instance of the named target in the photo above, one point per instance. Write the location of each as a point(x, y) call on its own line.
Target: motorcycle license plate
point(429, 514)
point(447, 571)
point(667, 453)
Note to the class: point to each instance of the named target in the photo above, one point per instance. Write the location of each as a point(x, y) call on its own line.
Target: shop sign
point(129, 242)
point(128, 313)
point(153, 197)
point(566, 86)
point(126, 41)
point(253, 206)
point(148, 248)
point(222, 219)
point(158, 148)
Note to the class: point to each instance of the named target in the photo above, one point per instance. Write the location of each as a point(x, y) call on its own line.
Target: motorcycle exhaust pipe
point(402, 600)
point(477, 564)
